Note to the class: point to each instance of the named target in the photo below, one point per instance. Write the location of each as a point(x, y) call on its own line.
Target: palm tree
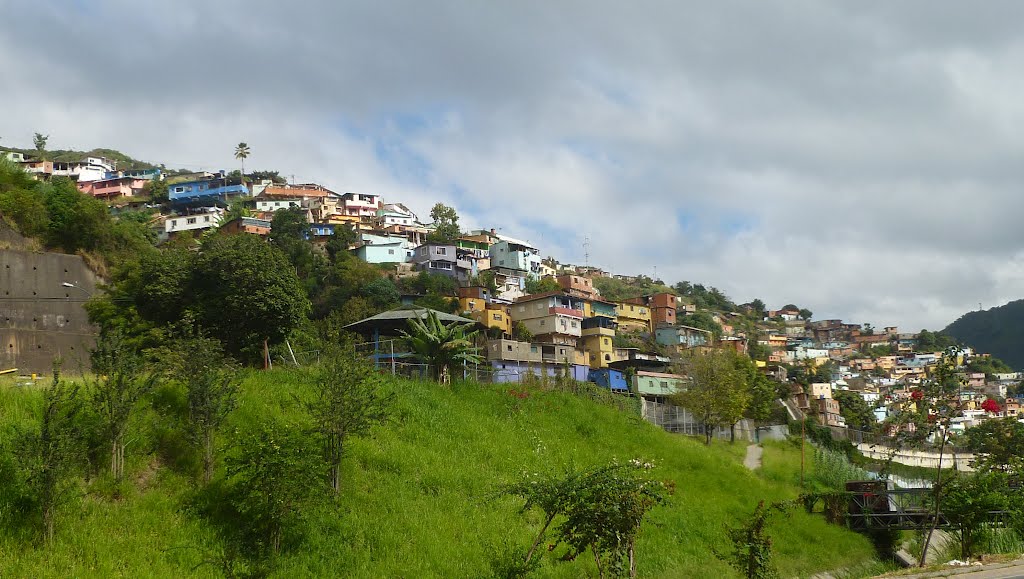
point(241, 152)
point(440, 345)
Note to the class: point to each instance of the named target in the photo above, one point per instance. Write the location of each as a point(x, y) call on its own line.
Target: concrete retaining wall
point(40, 318)
point(919, 458)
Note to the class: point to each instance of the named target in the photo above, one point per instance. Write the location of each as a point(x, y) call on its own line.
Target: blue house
point(384, 249)
point(614, 380)
point(206, 190)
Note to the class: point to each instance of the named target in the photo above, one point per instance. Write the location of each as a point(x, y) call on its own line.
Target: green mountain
point(66, 155)
point(998, 331)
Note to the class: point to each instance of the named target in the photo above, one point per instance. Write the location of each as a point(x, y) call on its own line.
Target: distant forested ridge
point(998, 331)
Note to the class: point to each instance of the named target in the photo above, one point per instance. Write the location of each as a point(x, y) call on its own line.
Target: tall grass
point(418, 495)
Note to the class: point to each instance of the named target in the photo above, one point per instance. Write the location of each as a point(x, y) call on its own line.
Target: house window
point(542, 322)
point(496, 317)
point(179, 189)
point(510, 347)
point(573, 324)
point(190, 220)
point(441, 251)
point(206, 219)
point(607, 358)
point(391, 252)
point(664, 385)
point(606, 342)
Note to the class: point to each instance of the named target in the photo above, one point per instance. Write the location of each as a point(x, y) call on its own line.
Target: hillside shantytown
point(544, 317)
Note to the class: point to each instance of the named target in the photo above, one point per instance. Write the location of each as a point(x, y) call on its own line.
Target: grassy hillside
point(419, 494)
point(998, 331)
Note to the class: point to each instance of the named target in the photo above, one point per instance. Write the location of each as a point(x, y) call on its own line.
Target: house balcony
point(566, 312)
point(598, 331)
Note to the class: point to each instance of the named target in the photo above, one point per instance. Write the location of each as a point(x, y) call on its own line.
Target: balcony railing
point(566, 312)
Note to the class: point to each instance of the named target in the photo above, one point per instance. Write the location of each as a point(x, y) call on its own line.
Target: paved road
point(1010, 570)
point(753, 458)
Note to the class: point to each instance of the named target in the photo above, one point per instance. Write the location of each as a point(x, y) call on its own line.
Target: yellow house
point(633, 317)
point(598, 335)
point(492, 317)
point(469, 305)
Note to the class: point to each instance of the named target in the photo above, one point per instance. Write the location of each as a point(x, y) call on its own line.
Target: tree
point(49, 455)
point(382, 293)
point(114, 395)
point(932, 341)
point(805, 314)
point(77, 221)
point(288, 226)
point(867, 329)
point(991, 406)
point(539, 286)
point(521, 333)
point(605, 512)
point(342, 238)
point(39, 142)
point(967, 500)
point(703, 321)
point(22, 203)
point(602, 510)
point(446, 224)
point(272, 472)
point(758, 307)
point(930, 417)
point(347, 402)
point(997, 444)
point(763, 390)
point(247, 292)
point(858, 414)
point(751, 554)
point(242, 153)
point(441, 345)
point(156, 189)
point(211, 385)
point(716, 394)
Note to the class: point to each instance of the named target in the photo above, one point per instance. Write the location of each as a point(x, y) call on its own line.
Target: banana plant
point(442, 345)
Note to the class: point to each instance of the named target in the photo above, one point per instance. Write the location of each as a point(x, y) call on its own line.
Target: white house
point(210, 217)
point(275, 203)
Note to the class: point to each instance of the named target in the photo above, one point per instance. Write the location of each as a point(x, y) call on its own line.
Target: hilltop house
point(517, 256)
point(215, 190)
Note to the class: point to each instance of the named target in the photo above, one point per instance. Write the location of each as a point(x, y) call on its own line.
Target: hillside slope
point(419, 495)
point(998, 331)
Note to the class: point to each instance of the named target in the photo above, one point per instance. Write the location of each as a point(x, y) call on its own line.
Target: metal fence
point(676, 419)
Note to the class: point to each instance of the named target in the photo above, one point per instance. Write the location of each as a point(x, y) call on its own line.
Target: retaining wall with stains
point(41, 318)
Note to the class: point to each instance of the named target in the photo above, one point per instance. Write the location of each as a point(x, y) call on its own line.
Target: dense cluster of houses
point(571, 331)
point(887, 382)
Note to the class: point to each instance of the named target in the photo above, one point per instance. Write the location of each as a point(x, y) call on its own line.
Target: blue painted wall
point(609, 378)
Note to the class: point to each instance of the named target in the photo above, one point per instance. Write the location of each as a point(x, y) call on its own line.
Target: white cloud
point(858, 160)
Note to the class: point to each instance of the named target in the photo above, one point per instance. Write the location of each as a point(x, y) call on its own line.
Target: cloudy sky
point(860, 159)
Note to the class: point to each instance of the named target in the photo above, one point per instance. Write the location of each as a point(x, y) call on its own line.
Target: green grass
point(418, 497)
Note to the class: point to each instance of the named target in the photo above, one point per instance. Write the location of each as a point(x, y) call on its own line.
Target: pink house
point(115, 187)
